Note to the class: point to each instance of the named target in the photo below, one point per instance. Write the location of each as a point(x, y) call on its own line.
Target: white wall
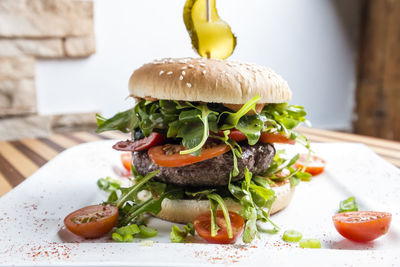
point(311, 43)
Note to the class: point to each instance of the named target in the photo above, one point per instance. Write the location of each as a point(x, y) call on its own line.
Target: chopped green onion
point(128, 230)
point(119, 238)
point(292, 236)
point(146, 232)
point(310, 243)
point(349, 204)
point(128, 238)
point(178, 236)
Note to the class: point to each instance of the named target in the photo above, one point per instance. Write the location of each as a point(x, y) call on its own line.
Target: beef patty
point(211, 172)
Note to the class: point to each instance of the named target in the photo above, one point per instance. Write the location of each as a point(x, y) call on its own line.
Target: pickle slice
point(213, 38)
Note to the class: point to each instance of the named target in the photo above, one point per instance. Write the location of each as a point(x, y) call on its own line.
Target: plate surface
point(31, 216)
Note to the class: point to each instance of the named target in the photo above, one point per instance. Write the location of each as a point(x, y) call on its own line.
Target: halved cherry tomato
point(202, 224)
point(126, 159)
point(315, 166)
point(173, 159)
point(153, 139)
point(275, 138)
point(362, 226)
point(92, 221)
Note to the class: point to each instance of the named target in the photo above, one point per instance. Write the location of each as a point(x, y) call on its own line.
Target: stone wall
point(31, 30)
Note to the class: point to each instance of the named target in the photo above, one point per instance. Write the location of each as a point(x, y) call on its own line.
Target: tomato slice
point(202, 224)
point(275, 138)
point(92, 221)
point(168, 155)
point(153, 139)
point(126, 159)
point(362, 226)
point(264, 138)
point(234, 135)
point(315, 166)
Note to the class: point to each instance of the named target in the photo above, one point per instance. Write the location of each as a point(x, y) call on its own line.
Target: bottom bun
point(185, 210)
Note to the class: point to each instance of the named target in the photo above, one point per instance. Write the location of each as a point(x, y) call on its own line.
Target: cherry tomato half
point(153, 139)
point(362, 226)
point(92, 221)
point(126, 159)
point(161, 156)
point(315, 166)
point(202, 224)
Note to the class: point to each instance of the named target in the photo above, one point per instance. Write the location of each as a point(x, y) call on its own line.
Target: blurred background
point(61, 61)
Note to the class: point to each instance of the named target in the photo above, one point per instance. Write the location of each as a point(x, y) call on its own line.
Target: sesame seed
point(202, 64)
point(204, 72)
point(183, 73)
point(184, 68)
point(169, 72)
point(189, 85)
point(161, 72)
point(191, 66)
point(181, 77)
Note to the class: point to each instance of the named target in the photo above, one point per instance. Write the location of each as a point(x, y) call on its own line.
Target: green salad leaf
point(256, 201)
point(123, 121)
point(195, 135)
point(232, 119)
point(251, 126)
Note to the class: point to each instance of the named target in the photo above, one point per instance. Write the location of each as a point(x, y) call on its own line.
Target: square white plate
point(31, 216)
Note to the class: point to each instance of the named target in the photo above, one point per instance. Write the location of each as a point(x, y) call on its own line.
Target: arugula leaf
point(178, 236)
point(133, 190)
point(235, 148)
point(251, 126)
point(216, 200)
point(107, 184)
point(124, 121)
point(155, 115)
point(213, 217)
point(233, 118)
point(283, 118)
point(194, 148)
point(200, 194)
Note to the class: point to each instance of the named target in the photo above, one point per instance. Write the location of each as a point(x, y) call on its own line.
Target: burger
point(203, 133)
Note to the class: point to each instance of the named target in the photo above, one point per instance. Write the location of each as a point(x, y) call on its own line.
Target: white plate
point(31, 216)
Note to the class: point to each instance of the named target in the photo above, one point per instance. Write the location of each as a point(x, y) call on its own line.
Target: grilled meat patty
point(211, 172)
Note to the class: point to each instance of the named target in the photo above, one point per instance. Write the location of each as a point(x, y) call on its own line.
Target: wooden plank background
point(378, 81)
point(20, 159)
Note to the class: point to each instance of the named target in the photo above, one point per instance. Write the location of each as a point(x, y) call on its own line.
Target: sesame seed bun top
point(208, 80)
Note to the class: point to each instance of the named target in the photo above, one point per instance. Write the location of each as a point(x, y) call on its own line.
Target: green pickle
point(210, 38)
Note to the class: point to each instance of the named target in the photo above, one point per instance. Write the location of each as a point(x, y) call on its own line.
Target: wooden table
point(20, 159)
